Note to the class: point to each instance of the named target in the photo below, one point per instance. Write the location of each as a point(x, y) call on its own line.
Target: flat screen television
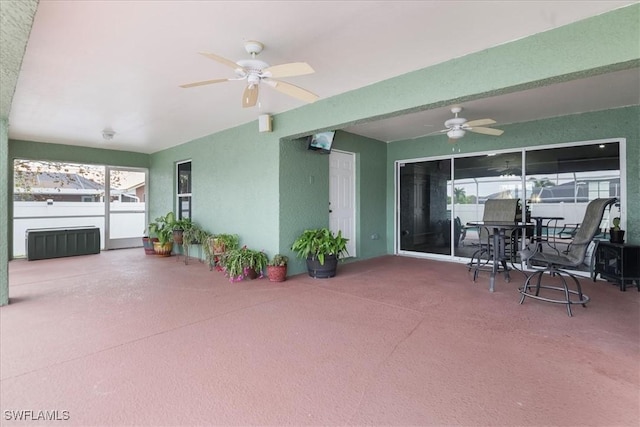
point(322, 141)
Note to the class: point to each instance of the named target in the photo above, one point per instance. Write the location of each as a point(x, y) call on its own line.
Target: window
point(183, 186)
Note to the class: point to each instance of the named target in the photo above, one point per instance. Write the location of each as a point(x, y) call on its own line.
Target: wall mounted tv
point(322, 141)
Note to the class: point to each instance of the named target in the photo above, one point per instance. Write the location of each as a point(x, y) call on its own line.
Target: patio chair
point(495, 210)
point(555, 264)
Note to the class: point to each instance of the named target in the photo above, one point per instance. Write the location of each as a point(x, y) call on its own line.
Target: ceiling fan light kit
point(255, 71)
point(457, 127)
point(456, 133)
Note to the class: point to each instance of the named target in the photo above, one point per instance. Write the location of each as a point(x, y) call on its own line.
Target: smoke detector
point(108, 134)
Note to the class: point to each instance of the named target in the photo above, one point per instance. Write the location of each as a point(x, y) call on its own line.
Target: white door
point(342, 196)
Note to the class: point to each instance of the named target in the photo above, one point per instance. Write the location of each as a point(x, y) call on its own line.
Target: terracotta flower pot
point(177, 237)
point(251, 274)
point(277, 273)
point(147, 243)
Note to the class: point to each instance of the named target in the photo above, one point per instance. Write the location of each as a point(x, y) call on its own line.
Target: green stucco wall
point(4, 212)
point(304, 193)
point(234, 184)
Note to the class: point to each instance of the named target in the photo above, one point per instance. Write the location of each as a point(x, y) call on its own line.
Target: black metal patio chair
point(556, 264)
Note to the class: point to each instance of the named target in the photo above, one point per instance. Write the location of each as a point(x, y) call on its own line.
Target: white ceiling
point(91, 65)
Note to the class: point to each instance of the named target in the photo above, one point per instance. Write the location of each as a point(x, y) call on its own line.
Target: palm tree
point(542, 182)
point(460, 195)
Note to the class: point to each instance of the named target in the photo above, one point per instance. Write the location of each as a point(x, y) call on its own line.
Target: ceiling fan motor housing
point(455, 123)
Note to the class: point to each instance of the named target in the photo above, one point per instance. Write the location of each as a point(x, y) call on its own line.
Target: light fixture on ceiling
point(455, 133)
point(108, 134)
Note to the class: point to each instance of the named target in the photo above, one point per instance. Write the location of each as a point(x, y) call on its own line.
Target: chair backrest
point(503, 210)
point(588, 228)
point(499, 210)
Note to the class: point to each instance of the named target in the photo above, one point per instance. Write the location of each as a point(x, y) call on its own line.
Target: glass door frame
point(130, 242)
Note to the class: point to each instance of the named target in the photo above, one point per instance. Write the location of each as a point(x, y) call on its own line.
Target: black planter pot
point(320, 271)
point(617, 236)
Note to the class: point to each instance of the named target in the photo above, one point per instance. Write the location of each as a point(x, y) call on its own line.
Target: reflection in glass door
point(562, 181)
point(478, 179)
point(126, 211)
point(424, 221)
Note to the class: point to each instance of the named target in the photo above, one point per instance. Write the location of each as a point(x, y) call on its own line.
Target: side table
point(618, 263)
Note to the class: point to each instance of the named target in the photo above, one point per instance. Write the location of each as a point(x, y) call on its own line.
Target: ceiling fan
point(458, 126)
point(255, 71)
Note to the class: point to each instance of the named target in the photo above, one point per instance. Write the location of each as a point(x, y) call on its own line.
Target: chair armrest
point(568, 231)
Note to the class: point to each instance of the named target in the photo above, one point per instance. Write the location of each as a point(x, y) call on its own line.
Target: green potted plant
point(193, 235)
point(277, 268)
point(217, 245)
point(162, 228)
point(147, 242)
point(322, 250)
point(179, 227)
point(616, 233)
point(244, 262)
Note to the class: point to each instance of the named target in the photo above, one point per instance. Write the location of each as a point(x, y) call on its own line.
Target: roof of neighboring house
point(59, 180)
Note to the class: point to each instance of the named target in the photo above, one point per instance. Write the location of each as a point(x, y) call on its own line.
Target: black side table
point(617, 262)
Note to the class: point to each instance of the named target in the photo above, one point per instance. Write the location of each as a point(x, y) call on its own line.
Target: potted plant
point(217, 245)
point(193, 235)
point(162, 228)
point(179, 227)
point(277, 268)
point(147, 243)
point(322, 250)
point(617, 234)
point(244, 262)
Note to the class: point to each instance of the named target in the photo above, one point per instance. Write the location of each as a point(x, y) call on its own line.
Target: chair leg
point(527, 289)
point(566, 295)
point(476, 262)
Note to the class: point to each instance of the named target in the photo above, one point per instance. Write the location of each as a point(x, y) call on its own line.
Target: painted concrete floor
point(122, 338)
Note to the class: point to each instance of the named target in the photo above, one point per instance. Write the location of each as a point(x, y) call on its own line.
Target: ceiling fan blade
point(486, 131)
point(288, 70)
point(292, 90)
point(221, 60)
point(204, 82)
point(480, 122)
point(250, 96)
point(437, 131)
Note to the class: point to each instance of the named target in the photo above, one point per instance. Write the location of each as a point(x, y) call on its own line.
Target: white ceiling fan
point(255, 71)
point(458, 126)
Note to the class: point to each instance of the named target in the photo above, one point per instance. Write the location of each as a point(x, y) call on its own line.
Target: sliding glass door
point(424, 222)
point(437, 198)
point(476, 180)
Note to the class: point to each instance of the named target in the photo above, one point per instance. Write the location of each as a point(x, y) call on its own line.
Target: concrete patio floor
point(121, 338)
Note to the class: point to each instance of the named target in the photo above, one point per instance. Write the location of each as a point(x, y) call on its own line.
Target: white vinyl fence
point(31, 215)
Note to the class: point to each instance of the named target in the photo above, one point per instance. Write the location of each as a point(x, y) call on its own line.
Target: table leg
point(496, 260)
point(538, 233)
